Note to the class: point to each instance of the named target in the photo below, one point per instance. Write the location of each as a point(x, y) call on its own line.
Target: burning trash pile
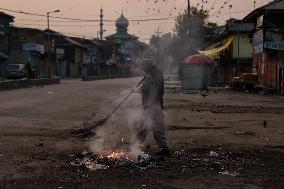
point(113, 159)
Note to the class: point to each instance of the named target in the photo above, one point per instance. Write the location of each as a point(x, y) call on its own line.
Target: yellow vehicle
point(246, 81)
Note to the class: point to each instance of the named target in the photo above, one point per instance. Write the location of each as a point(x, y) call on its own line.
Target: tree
point(200, 30)
point(198, 23)
point(175, 46)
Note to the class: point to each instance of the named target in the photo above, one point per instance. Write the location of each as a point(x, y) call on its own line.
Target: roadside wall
point(25, 83)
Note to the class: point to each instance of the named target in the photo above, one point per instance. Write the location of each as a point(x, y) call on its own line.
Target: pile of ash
point(113, 159)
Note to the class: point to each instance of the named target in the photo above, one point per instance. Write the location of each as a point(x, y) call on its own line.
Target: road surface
point(245, 130)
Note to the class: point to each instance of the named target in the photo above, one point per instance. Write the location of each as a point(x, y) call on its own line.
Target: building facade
point(68, 61)
point(232, 52)
point(28, 46)
point(5, 31)
point(267, 39)
point(131, 48)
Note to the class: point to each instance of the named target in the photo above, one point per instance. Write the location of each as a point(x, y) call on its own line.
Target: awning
point(214, 52)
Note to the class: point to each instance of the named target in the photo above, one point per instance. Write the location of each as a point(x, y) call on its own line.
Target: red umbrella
point(198, 59)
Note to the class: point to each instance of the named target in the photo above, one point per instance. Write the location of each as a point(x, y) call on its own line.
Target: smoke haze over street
point(132, 9)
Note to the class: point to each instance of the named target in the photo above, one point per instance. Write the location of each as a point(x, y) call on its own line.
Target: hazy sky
point(133, 9)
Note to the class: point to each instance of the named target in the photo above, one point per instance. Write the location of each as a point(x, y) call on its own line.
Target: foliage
point(177, 46)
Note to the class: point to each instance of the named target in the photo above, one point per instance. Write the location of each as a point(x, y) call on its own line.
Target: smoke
point(174, 47)
point(127, 129)
point(135, 150)
point(119, 132)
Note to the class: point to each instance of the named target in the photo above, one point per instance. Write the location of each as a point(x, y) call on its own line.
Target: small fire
point(105, 160)
point(118, 155)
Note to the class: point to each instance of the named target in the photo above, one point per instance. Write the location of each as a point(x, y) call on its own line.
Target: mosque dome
point(122, 22)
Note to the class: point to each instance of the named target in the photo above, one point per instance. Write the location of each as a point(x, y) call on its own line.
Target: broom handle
point(118, 106)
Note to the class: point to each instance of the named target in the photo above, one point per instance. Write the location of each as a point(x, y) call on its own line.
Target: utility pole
point(238, 68)
point(101, 24)
point(189, 17)
point(254, 3)
point(189, 26)
point(48, 42)
point(158, 45)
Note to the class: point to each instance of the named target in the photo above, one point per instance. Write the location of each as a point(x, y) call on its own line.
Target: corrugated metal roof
point(68, 39)
point(257, 12)
point(6, 15)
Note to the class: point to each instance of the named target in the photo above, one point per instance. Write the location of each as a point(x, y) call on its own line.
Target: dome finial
point(122, 22)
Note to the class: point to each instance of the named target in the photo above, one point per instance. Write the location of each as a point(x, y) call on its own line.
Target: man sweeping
point(152, 90)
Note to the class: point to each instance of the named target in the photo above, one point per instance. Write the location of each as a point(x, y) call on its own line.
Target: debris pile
point(107, 160)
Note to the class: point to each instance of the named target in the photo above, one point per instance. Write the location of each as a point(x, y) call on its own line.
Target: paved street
point(245, 130)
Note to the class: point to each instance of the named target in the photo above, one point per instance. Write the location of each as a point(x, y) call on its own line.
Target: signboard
point(274, 40)
point(274, 45)
point(258, 42)
point(33, 47)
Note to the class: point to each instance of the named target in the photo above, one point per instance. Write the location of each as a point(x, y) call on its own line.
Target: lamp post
point(48, 40)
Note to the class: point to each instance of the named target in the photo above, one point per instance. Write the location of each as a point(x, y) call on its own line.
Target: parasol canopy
point(198, 59)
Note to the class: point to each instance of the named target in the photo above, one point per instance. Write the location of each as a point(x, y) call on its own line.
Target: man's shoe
point(164, 151)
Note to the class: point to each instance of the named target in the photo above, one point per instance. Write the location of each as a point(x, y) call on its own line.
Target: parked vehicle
point(17, 71)
point(246, 81)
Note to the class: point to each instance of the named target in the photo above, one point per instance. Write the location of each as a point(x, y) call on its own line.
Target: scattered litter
point(93, 165)
point(1, 155)
point(213, 154)
point(99, 161)
point(50, 92)
point(74, 163)
point(232, 174)
point(144, 159)
point(179, 152)
point(183, 168)
point(144, 185)
point(85, 153)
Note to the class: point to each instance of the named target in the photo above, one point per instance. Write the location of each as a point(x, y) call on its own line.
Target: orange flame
point(117, 155)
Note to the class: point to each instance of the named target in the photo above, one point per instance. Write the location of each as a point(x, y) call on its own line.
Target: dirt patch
point(246, 167)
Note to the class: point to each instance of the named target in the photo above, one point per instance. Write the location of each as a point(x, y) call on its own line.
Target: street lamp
point(48, 13)
point(48, 40)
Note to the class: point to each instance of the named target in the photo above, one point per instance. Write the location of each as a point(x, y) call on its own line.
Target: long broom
point(103, 121)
